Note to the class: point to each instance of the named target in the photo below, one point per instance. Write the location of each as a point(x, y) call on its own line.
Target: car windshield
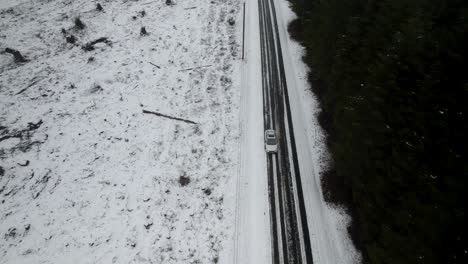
point(270, 138)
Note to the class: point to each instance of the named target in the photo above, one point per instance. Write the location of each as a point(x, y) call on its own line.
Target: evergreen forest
point(391, 79)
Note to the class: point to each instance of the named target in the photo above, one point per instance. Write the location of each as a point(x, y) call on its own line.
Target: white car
point(271, 143)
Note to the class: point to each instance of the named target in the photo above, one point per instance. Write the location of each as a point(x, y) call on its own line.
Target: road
point(289, 229)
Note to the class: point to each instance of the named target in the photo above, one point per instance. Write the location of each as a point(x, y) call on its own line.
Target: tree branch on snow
point(30, 85)
point(90, 45)
point(194, 68)
point(22, 133)
point(154, 65)
point(23, 164)
point(41, 184)
point(170, 117)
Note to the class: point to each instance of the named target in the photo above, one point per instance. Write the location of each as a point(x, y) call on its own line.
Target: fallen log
point(23, 164)
point(154, 65)
point(194, 68)
point(34, 126)
point(30, 85)
point(16, 54)
point(15, 135)
point(90, 45)
point(22, 133)
point(170, 117)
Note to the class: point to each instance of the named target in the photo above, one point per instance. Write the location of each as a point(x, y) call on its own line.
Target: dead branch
point(148, 3)
point(15, 135)
point(170, 117)
point(194, 68)
point(190, 8)
point(16, 54)
point(43, 182)
point(24, 164)
point(154, 65)
point(90, 45)
point(32, 126)
point(27, 87)
point(21, 133)
point(215, 47)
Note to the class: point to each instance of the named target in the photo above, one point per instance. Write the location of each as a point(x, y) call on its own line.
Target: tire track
point(288, 244)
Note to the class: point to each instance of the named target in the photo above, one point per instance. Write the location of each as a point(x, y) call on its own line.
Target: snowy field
point(85, 175)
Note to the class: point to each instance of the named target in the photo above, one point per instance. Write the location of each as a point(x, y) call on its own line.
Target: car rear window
point(271, 141)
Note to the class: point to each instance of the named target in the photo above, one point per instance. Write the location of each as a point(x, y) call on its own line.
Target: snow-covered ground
point(86, 176)
point(330, 240)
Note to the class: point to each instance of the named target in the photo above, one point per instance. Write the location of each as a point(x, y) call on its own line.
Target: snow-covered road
point(329, 241)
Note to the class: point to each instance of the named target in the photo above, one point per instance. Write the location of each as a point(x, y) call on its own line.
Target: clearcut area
point(119, 133)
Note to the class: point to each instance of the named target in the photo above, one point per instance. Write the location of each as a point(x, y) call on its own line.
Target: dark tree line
point(391, 78)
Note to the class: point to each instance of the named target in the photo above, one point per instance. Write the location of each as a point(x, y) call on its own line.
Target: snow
point(102, 182)
point(327, 223)
point(87, 177)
